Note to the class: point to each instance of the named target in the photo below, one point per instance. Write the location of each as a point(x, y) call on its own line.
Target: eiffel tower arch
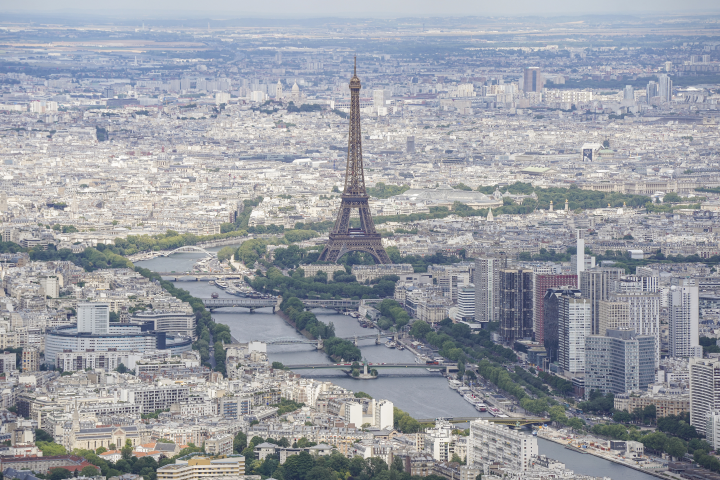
point(344, 238)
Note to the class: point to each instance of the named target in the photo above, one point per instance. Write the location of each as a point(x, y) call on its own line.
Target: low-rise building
point(199, 467)
point(490, 443)
point(664, 404)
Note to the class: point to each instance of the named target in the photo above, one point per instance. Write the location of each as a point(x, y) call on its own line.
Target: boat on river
point(214, 295)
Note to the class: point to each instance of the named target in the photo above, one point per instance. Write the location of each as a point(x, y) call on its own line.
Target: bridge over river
point(274, 302)
point(448, 367)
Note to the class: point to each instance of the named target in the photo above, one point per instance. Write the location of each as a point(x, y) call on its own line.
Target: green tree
point(50, 449)
point(89, 471)
point(622, 416)
point(127, 450)
point(100, 450)
point(575, 423)
point(676, 447)
point(59, 473)
point(239, 442)
point(297, 466)
point(419, 329)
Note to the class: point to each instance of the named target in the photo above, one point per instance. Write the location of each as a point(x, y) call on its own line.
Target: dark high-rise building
point(516, 305)
point(541, 283)
point(411, 144)
point(533, 80)
point(551, 319)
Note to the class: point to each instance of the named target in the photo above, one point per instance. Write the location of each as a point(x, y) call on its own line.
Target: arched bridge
point(188, 249)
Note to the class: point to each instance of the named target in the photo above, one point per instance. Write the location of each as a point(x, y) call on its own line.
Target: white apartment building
point(51, 286)
point(383, 413)
point(491, 443)
point(684, 319)
point(574, 324)
point(487, 288)
point(152, 398)
point(712, 429)
point(704, 391)
point(466, 302)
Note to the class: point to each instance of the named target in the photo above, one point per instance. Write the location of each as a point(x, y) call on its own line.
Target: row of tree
point(336, 348)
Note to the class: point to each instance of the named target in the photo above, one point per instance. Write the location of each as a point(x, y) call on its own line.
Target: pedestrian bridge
point(188, 249)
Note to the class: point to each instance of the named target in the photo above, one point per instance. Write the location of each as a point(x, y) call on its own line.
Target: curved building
point(120, 336)
point(169, 321)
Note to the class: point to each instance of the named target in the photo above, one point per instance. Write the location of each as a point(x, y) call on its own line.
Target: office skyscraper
point(704, 391)
point(618, 362)
point(629, 93)
point(643, 314)
point(651, 90)
point(541, 283)
point(574, 324)
point(551, 318)
point(684, 319)
point(597, 284)
point(516, 304)
point(487, 288)
point(533, 80)
point(665, 85)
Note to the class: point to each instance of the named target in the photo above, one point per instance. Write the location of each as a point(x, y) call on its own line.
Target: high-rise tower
point(343, 237)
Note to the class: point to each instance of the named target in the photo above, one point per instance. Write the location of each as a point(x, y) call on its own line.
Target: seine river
point(422, 395)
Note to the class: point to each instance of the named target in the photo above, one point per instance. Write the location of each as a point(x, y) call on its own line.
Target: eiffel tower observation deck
point(344, 238)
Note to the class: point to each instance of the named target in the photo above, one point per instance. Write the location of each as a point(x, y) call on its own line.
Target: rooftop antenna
point(355, 67)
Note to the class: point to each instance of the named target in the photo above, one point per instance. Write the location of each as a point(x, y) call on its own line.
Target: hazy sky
point(360, 8)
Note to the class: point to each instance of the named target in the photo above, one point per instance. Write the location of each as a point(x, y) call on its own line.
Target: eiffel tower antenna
point(343, 238)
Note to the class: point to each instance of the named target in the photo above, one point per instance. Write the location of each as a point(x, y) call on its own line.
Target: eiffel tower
point(343, 238)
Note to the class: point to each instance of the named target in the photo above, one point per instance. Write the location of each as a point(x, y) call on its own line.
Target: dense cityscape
point(473, 248)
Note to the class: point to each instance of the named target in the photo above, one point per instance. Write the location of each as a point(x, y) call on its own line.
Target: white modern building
point(619, 361)
point(120, 336)
point(704, 391)
point(93, 318)
point(574, 324)
point(643, 313)
point(173, 322)
point(684, 304)
point(466, 303)
point(712, 429)
point(487, 288)
point(490, 443)
point(383, 413)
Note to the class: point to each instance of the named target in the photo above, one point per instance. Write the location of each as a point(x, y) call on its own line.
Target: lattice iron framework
point(343, 238)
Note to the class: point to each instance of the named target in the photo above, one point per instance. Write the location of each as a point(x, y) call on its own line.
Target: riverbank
point(552, 435)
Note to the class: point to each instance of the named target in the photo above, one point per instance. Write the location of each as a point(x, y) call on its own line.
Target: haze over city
point(359, 241)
